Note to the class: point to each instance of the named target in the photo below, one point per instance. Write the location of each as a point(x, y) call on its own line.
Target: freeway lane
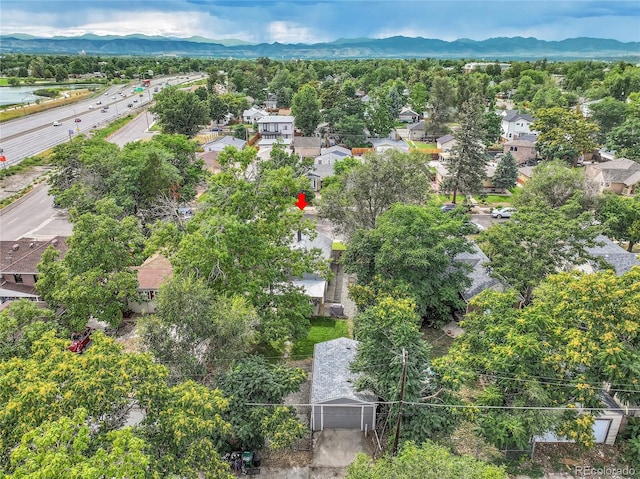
point(35, 133)
point(34, 217)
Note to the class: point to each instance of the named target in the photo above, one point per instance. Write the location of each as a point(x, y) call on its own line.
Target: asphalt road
point(33, 216)
point(28, 136)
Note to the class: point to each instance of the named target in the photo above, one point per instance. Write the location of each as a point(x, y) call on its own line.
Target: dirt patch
point(564, 457)
point(13, 184)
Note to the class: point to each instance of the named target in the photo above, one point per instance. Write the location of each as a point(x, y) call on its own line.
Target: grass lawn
point(498, 199)
point(420, 144)
point(438, 340)
point(322, 329)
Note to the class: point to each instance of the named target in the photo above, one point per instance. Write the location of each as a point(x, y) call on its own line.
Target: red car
point(80, 341)
point(78, 120)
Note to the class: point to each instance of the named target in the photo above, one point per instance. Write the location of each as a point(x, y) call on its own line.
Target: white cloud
point(290, 32)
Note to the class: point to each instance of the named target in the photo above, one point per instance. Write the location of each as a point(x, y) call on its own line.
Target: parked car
point(104, 110)
point(80, 341)
point(135, 101)
point(57, 123)
point(130, 105)
point(448, 207)
point(502, 212)
point(98, 102)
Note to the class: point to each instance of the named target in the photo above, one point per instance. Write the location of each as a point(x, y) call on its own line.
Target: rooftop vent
point(15, 247)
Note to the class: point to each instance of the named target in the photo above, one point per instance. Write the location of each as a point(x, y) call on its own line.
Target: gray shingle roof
point(417, 126)
point(332, 378)
point(479, 275)
point(621, 260)
point(307, 142)
point(445, 139)
point(621, 170)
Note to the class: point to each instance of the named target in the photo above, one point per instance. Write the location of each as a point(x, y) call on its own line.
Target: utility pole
point(403, 379)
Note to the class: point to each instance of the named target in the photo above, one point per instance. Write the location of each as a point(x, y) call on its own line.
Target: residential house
point(514, 124)
point(276, 128)
point(222, 142)
point(271, 103)
point(618, 258)
point(521, 150)
point(307, 146)
point(620, 176)
point(417, 131)
point(19, 266)
point(323, 164)
point(525, 173)
point(384, 144)
point(314, 285)
point(479, 275)
point(253, 114)
point(334, 401)
point(605, 427)
point(444, 144)
point(482, 66)
point(407, 115)
point(151, 274)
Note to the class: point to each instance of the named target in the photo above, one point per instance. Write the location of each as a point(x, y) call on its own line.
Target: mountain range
point(515, 48)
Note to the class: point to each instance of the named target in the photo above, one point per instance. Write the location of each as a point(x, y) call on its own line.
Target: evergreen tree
point(467, 163)
point(506, 173)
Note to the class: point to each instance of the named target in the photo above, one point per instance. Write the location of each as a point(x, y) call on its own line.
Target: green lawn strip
point(322, 329)
point(438, 340)
point(419, 144)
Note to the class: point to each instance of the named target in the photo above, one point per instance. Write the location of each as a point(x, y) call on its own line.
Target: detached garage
point(334, 402)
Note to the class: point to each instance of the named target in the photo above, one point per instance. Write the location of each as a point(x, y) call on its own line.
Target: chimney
point(31, 244)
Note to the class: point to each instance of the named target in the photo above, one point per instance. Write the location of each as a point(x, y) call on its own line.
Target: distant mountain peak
point(399, 46)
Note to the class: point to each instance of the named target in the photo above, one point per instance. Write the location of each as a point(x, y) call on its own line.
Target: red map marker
point(302, 202)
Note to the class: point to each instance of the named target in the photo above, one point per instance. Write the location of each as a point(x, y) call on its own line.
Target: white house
point(323, 164)
point(274, 128)
point(253, 114)
point(515, 124)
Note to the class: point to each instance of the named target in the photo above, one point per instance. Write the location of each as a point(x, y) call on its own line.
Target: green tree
point(389, 333)
point(491, 126)
point(94, 279)
point(179, 111)
point(365, 192)
point(441, 99)
point(433, 462)
point(466, 165)
point(379, 117)
point(546, 240)
point(548, 354)
point(305, 107)
point(554, 185)
point(506, 174)
point(548, 97)
point(53, 382)
point(620, 216)
point(194, 330)
point(218, 109)
point(254, 386)
point(21, 323)
point(563, 134)
point(418, 97)
point(66, 448)
point(413, 247)
point(608, 114)
point(624, 139)
point(241, 243)
point(281, 86)
point(350, 131)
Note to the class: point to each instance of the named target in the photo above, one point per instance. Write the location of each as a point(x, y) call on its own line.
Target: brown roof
point(153, 272)
point(22, 256)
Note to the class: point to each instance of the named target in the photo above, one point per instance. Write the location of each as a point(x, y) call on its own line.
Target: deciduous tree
point(305, 107)
point(180, 111)
point(620, 216)
point(413, 247)
point(363, 193)
point(433, 462)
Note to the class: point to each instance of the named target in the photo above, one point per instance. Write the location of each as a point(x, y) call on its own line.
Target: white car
point(113, 97)
point(91, 107)
point(57, 123)
point(505, 212)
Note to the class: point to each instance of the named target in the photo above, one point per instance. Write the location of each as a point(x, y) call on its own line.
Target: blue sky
point(314, 21)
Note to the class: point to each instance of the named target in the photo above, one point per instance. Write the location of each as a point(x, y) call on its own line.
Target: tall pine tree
point(506, 174)
point(467, 164)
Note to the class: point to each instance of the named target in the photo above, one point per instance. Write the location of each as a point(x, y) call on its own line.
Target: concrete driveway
point(333, 451)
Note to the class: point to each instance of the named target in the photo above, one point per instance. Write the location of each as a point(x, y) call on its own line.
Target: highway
point(35, 133)
point(33, 215)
